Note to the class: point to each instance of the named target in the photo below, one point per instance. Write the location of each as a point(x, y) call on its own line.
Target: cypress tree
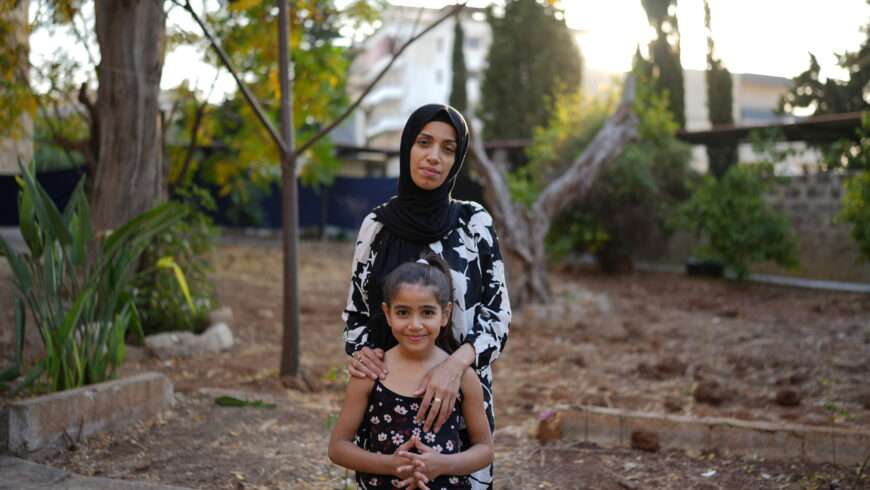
point(667, 71)
point(458, 90)
point(532, 58)
point(719, 104)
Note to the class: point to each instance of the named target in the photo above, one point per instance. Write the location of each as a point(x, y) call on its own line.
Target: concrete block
point(47, 420)
point(612, 427)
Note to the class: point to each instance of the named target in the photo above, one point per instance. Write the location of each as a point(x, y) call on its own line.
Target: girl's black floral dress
point(481, 307)
point(389, 423)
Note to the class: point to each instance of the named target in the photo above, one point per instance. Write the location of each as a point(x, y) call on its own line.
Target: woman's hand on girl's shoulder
point(368, 363)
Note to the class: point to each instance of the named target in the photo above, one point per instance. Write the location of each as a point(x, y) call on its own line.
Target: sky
point(771, 37)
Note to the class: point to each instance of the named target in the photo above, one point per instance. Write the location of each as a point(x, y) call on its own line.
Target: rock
point(577, 360)
point(172, 344)
point(673, 404)
point(645, 441)
point(185, 344)
point(729, 313)
point(709, 392)
point(788, 397)
point(217, 338)
point(549, 427)
point(671, 366)
point(864, 399)
point(667, 367)
point(224, 314)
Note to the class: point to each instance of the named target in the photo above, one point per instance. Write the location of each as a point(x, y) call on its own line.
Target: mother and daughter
point(427, 315)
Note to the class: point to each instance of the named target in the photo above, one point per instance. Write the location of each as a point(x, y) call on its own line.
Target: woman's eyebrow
point(448, 140)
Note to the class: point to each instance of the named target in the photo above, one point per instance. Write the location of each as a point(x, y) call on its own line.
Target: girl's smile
point(415, 317)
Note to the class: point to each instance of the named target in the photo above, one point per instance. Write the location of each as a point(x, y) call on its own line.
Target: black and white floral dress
point(389, 423)
point(481, 307)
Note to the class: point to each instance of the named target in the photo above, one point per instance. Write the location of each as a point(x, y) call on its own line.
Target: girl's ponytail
point(446, 340)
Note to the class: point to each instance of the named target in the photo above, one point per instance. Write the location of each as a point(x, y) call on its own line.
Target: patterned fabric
point(481, 307)
point(389, 423)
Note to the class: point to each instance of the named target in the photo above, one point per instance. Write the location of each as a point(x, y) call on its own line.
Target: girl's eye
point(450, 149)
point(422, 141)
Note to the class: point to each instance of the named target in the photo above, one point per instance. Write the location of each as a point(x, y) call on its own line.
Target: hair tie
point(423, 261)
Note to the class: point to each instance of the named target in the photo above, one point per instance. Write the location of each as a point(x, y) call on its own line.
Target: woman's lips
point(415, 339)
point(428, 172)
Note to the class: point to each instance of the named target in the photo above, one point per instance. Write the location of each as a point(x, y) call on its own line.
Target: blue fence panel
point(347, 201)
point(59, 184)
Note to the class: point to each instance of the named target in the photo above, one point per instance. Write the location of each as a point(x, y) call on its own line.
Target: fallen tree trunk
point(523, 229)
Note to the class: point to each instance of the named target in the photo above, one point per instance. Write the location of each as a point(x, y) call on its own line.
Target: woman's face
point(433, 154)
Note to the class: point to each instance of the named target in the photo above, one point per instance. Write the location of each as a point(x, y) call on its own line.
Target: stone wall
point(827, 251)
point(811, 203)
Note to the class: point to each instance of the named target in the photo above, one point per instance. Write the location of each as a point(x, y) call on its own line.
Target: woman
point(422, 218)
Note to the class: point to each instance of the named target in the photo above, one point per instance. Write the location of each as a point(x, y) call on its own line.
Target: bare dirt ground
point(646, 341)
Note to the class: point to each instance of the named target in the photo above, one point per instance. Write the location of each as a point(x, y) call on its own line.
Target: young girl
point(398, 451)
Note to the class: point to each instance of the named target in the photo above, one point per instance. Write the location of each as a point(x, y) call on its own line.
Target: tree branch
point(258, 110)
point(325, 130)
point(495, 182)
point(617, 132)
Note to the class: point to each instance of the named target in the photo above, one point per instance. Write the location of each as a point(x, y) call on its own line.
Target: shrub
point(165, 302)
point(856, 210)
point(76, 288)
point(737, 226)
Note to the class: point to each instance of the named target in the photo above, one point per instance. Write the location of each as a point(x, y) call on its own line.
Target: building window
point(439, 75)
point(472, 43)
point(439, 44)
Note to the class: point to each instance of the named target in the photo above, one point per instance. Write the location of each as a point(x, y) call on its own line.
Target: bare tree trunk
point(130, 177)
point(523, 230)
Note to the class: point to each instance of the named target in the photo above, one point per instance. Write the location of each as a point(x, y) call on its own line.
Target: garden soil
point(654, 342)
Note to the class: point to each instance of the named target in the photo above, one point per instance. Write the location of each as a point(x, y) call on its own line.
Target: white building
point(755, 98)
point(423, 74)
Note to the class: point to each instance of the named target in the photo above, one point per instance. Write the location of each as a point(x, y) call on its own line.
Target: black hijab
point(415, 217)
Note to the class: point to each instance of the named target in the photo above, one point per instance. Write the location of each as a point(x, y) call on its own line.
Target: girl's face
point(433, 155)
point(415, 317)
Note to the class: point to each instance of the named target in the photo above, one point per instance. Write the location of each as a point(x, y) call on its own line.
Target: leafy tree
point(664, 55)
point(737, 225)
point(458, 89)
point(15, 96)
point(720, 103)
point(856, 200)
point(532, 59)
point(833, 96)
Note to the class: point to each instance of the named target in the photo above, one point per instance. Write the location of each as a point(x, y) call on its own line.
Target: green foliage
point(856, 210)
point(15, 96)
point(737, 226)
point(77, 287)
point(229, 401)
point(664, 67)
point(833, 96)
point(160, 295)
point(532, 59)
point(458, 90)
point(319, 91)
point(851, 153)
point(632, 195)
